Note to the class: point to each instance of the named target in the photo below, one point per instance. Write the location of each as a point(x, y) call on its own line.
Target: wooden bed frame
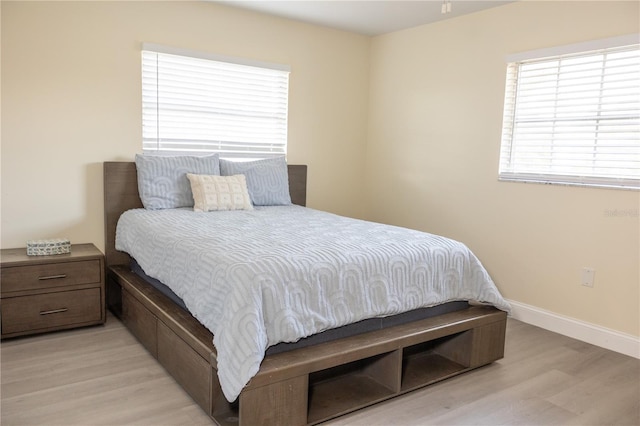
point(302, 386)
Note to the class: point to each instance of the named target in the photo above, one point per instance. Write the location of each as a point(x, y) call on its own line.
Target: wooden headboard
point(121, 194)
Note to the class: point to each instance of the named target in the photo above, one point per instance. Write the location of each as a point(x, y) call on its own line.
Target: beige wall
point(412, 117)
point(71, 99)
point(432, 160)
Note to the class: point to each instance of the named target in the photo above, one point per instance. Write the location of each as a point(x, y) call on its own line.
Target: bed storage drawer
point(185, 365)
point(141, 322)
point(41, 312)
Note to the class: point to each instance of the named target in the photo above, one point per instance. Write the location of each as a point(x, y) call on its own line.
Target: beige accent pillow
point(212, 193)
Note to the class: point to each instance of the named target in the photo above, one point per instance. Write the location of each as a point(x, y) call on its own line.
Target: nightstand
point(47, 293)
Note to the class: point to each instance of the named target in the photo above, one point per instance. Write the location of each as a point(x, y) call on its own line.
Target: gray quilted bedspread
point(276, 274)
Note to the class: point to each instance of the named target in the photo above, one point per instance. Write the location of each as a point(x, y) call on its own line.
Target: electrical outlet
point(588, 276)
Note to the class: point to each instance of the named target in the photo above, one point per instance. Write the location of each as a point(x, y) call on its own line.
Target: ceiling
point(368, 17)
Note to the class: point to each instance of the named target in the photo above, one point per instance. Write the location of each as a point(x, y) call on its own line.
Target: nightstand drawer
point(44, 311)
point(49, 275)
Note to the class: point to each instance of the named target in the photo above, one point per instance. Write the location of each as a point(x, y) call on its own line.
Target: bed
point(303, 385)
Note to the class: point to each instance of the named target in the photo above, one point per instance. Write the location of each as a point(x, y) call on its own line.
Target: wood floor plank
point(521, 403)
point(103, 376)
point(92, 376)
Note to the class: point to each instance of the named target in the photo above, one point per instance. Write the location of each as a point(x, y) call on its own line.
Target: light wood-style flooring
point(102, 376)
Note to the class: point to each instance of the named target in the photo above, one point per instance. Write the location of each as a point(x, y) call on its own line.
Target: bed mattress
point(278, 274)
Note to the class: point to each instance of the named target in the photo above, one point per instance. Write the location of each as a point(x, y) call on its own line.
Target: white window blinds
point(574, 119)
point(196, 104)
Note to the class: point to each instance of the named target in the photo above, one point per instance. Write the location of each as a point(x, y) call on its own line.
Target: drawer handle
point(53, 277)
point(54, 311)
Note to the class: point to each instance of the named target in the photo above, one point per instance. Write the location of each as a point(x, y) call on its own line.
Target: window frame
point(508, 171)
point(246, 141)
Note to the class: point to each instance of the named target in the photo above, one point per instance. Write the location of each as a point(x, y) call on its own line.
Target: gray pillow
point(162, 180)
point(267, 180)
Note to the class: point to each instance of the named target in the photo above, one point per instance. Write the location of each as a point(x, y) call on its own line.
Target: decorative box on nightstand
point(47, 293)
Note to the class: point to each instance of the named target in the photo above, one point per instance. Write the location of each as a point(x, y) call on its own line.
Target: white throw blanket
point(277, 274)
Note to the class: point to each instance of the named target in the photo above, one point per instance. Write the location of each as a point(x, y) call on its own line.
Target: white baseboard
point(586, 332)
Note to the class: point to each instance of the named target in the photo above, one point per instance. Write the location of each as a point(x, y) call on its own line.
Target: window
point(198, 103)
point(572, 115)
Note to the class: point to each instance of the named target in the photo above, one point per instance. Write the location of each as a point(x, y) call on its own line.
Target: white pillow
point(211, 193)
